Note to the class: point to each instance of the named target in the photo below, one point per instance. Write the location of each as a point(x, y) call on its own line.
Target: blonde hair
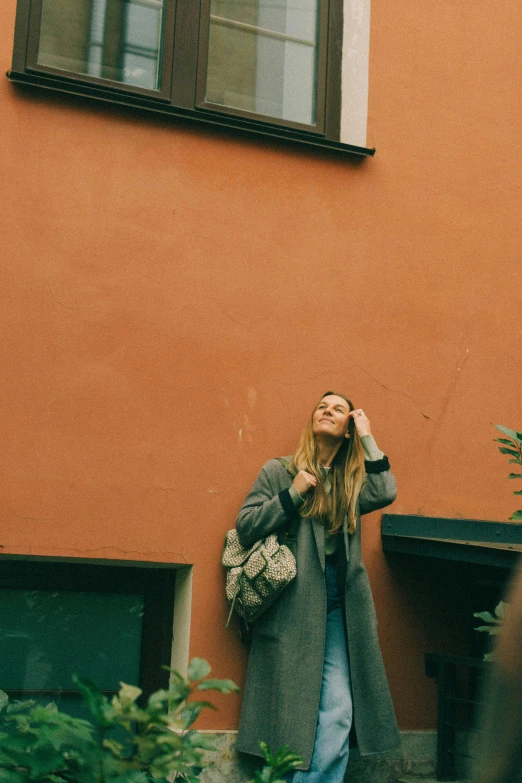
point(346, 476)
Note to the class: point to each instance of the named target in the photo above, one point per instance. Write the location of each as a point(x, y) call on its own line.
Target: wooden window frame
point(183, 76)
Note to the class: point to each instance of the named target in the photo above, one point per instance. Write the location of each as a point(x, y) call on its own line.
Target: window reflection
point(111, 39)
point(263, 57)
point(46, 637)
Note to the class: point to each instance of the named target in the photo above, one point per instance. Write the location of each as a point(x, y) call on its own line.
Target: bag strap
point(290, 468)
point(290, 531)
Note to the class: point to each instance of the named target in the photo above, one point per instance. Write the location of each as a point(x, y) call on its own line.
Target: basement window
point(253, 65)
point(107, 623)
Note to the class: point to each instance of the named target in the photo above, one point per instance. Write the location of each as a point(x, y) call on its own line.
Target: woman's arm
point(264, 511)
point(379, 489)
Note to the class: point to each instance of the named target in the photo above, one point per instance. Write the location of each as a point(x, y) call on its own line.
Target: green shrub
point(39, 743)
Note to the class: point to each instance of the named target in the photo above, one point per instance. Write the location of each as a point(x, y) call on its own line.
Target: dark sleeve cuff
point(288, 504)
point(377, 465)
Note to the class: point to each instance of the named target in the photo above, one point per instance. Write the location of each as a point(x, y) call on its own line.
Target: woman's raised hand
point(303, 482)
point(361, 421)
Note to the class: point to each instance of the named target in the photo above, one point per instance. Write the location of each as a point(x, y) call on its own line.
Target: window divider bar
point(185, 59)
point(252, 28)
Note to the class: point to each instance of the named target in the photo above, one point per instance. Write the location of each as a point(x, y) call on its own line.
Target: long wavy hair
point(346, 476)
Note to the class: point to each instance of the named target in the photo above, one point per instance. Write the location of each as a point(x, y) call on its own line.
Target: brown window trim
point(182, 77)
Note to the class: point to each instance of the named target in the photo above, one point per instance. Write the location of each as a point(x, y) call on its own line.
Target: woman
point(314, 659)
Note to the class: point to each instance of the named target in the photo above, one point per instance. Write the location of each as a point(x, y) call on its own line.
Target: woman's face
point(331, 418)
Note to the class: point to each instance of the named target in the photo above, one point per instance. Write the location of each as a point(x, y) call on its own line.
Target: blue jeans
point(331, 747)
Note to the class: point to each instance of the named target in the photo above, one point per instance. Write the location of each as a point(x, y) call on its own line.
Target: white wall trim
point(354, 77)
point(181, 625)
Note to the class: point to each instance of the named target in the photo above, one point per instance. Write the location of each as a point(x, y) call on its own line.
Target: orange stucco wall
point(173, 302)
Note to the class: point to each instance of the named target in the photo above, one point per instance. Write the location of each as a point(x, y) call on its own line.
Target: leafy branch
point(276, 765)
point(512, 446)
point(493, 623)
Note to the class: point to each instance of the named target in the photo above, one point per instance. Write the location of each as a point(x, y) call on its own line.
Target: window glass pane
point(46, 637)
point(111, 39)
point(263, 57)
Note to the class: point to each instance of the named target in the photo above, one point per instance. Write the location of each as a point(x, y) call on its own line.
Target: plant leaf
point(12, 776)
point(198, 668)
point(223, 686)
point(515, 475)
point(506, 431)
point(4, 700)
point(504, 440)
point(158, 701)
point(128, 694)
point(517, 516)
point(115, 747)
point(175, 674)
point(96, 701)
point(486, 616)
point(197, 740)
point(178, 692)
point(505, 450)
point(190, 713)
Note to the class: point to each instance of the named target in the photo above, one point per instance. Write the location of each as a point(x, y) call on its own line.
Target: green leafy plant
point(512, 446)
point(276, 766)
point(493, 623)
point(155, 744)
point(39, 743)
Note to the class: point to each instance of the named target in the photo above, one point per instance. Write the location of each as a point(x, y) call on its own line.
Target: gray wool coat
point(283, 682)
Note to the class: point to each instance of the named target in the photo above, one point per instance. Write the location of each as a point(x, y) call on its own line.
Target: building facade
point(191, 257)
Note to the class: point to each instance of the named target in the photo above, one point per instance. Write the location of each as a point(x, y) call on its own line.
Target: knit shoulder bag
point(257, 576)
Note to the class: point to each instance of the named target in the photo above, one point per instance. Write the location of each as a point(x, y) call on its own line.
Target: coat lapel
point(346, 540)
point(318, 529)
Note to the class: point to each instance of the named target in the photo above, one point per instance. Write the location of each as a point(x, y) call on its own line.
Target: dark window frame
point(156, 584)
point(322, 110)
point(164, 91)
point(182, 71)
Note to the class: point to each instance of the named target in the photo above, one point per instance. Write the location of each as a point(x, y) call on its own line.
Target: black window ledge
point(464, 540)
point(228, 123)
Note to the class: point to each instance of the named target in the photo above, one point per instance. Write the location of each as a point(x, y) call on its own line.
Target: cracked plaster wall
point(174, 302)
